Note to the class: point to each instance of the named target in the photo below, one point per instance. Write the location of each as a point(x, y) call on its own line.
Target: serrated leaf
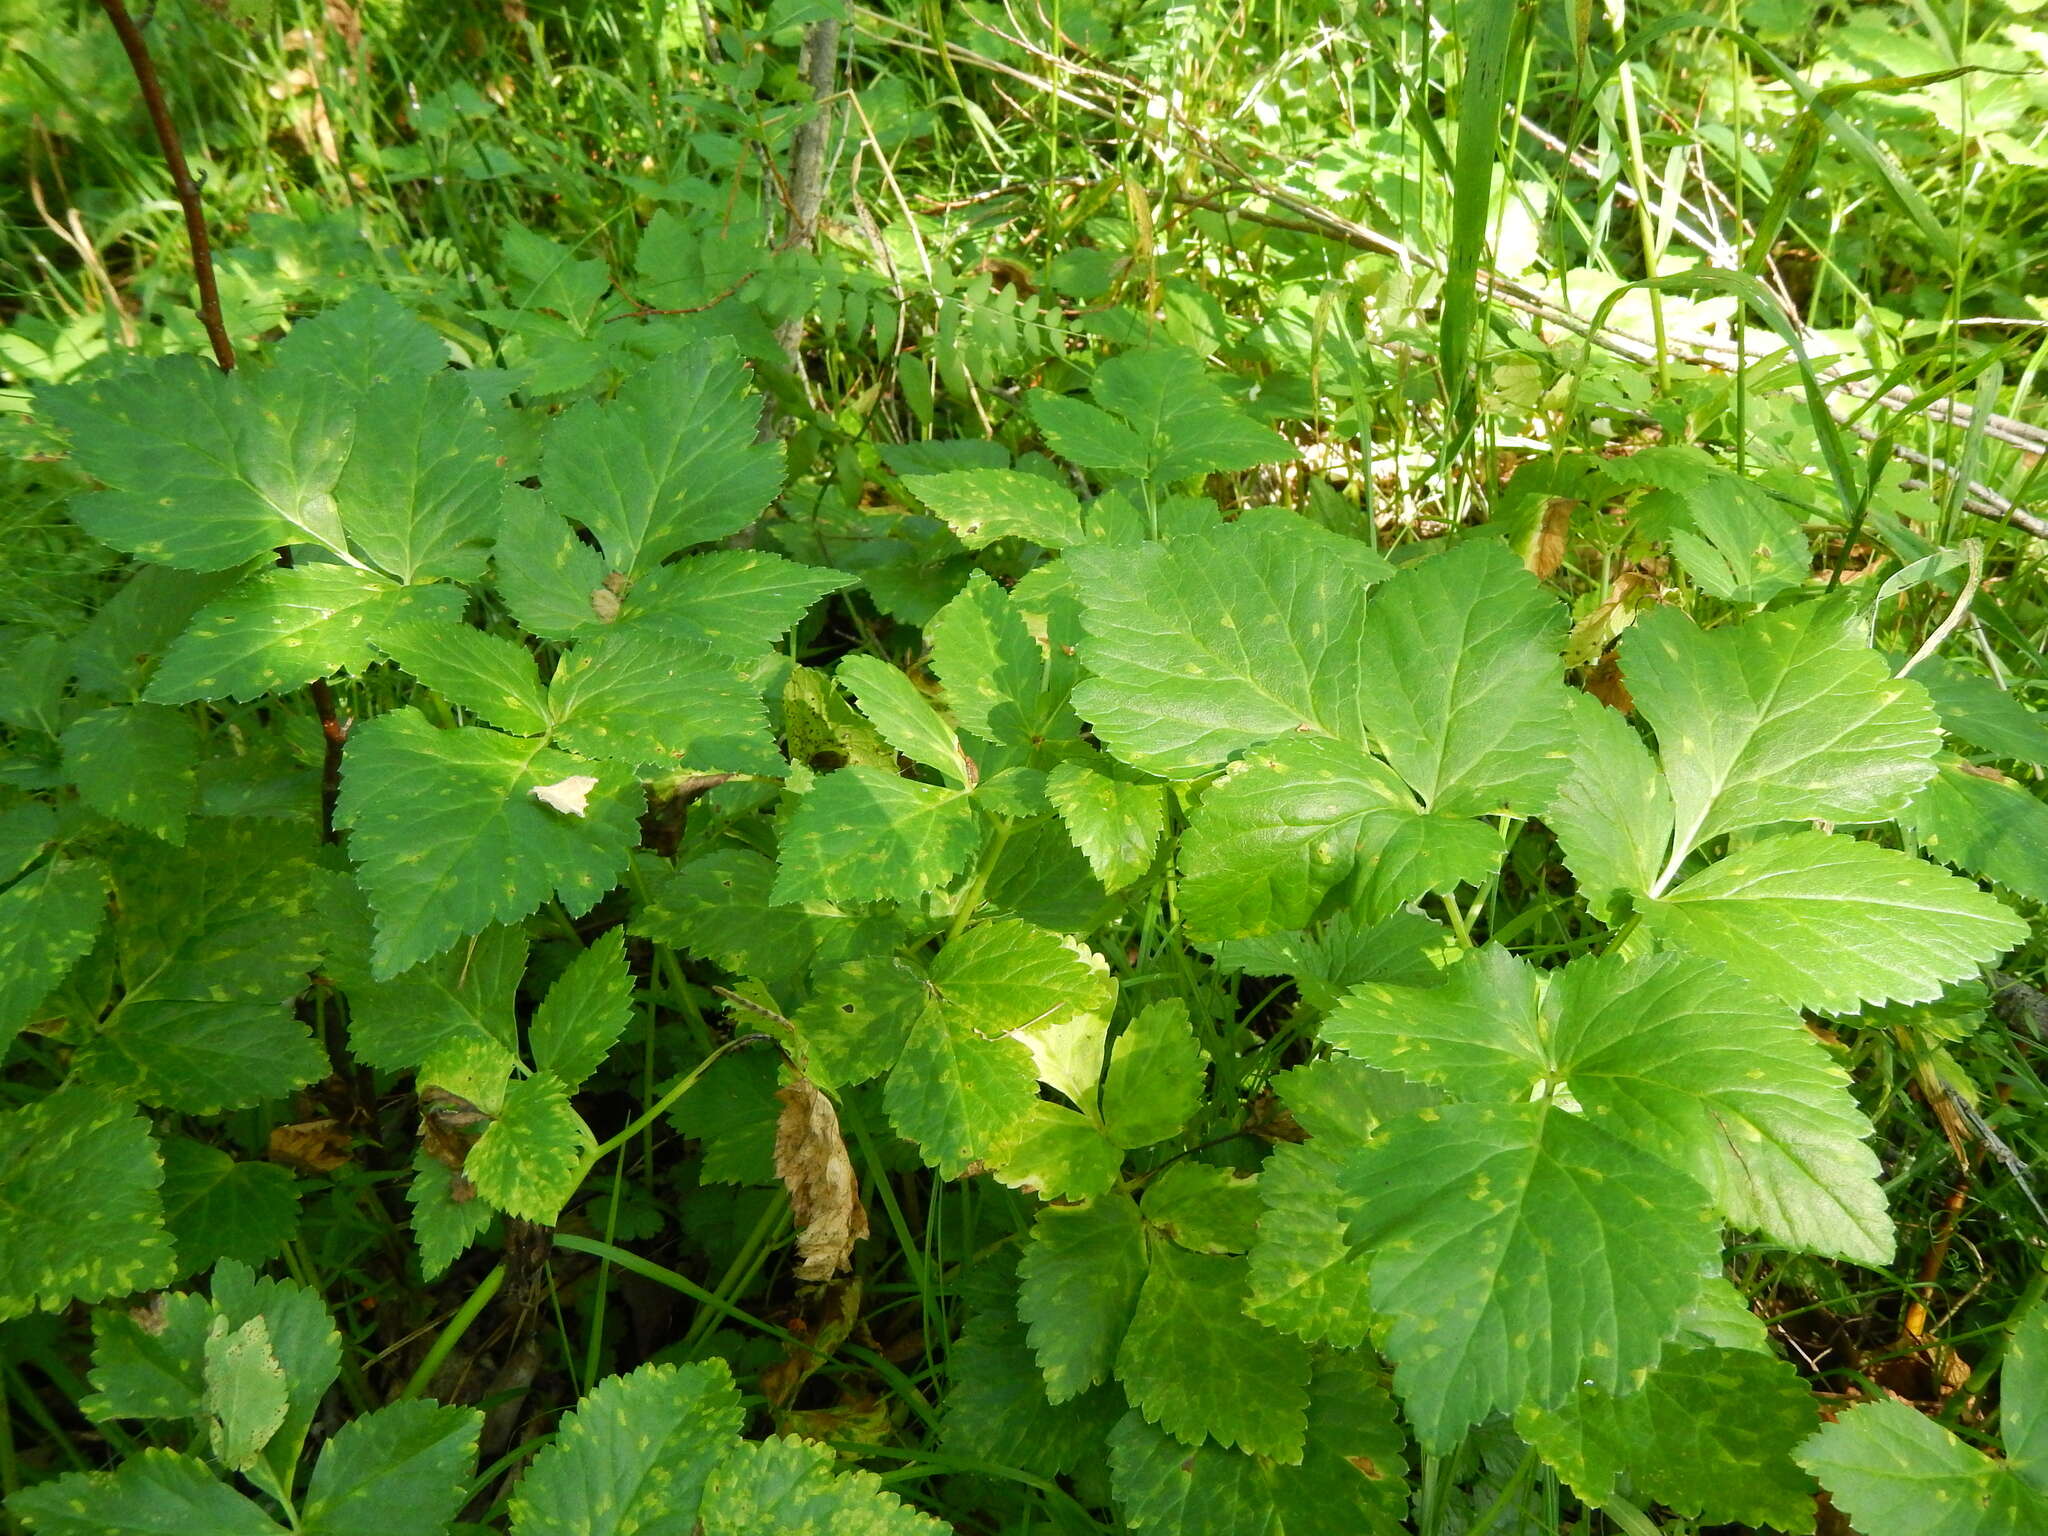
point(420, 492)
point(1202, 1207)
point(1004, 975)
point(302, 1337)
point(1830, 923)
point(442, 1226)
point(529, 1159)
point(547, 575)
point(48, 920)
point(1087, 434)
point(201, 1057)
point(1156, 1072)
point(671, 460)
point(721, 907)
point(777, 1486)
point(645, 699)
point(403, 1470)
point(1078, 1285)
point(1520, 1251)
point(448, 838)
point(25, 831)
point(79, 1174)
point(633, 1456)
point(1205, 646)
point(1984, 714)
point(1304, 1279)
point(149, 1362)
point(488, 675)
point(1897, 1473)
point(1612, 814)
point(906, 719)
point(1059, 1154)
point(1677, 1441)
point(217, 1206)
point(136, 763)
point(1739, 547)
point(1782, 717)
point(1196, 1366)
point(155, 1493)
point(245, 1392)
point(737, 602)
point(585, 1012)
point(204, 470)
point(856, 1021)
point(983, 505)
point(1347, 949)
point(996, 1404)
point(367, 339)
point(1480, 1034)
point(1991, 827)
point(1350, 1480)
point(462, 998)
point(862, 835)
point(960, 1095)
point(1116, 823)
point(1183, 422)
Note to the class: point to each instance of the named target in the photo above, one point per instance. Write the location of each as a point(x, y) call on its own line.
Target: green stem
point(660, 1106)
point(971, 897)
point(452, 1333)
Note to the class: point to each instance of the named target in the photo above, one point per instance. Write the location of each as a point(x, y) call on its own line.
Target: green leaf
point(1783, 717)
point(996, 1408)
point(217, 1206)
point(854, 1025)
point(443, 1226)
point(1461, 687)
point(670, 461)
point(904, 716)
point(720, 906)
point(149, 1363)
point(25, 831)
point(585, 1012)
point(1115, 822)
point(302, 1337)
point(403, 1470)
point(1001, 682)
point(488, 675)
point(1185, 424)
point(448, 836)
point(1205, 646)
point(1005, 975)
point(1350, 1480)
point(1520, 1251)
point(1088, 435)
point(201, 1057)
point(1156, 1071)
point(205, 470)
point(1830, 923)
point(1740, 547)
point(463, 998)
point(548, 577)
point(285, 626)
point(48, 921)
point(644, 699)
point(633, 1456)
point(1349, 948)
point(136, 763)
point(862, 835)
point(1984, 714)
point(737, 602)
point(779, 1486)
point(1896, 1473)
point(1681, 1440)
point(959, 1094)
point(1195, 1365)
point(983, 505)
point(1612, 814)
point(1078, 1285)
point(529, 1160)
point(367, 339)
point(78, 1178)
point(1203, 1207)
point(1058, 1154)
point(420, 492)
point(155, 1493)
point(1480, 1034)
point(245, 1392)
point(1991, 827)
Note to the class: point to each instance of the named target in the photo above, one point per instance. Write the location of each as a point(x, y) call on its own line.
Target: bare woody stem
point(333, 732)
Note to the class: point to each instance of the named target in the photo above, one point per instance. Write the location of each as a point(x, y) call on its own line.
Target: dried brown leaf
point(824, 1195)
point(309, 1146)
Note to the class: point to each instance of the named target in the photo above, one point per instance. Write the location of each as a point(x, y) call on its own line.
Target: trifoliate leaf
point(217, 1206)
point(137, 763)
point(983, 505)
point(421, 489)
point(738, 602)
point(996, 1406)
point(778, 1486)
point(1612, 814)
point(1350, 1480)
point(1005, 975)
point(1461, 686)
point(670, 461)
point(1782, 717)
point(245, 1398)
point(285, 626)
point(856, 1021)
point(549, 578)
point(906, 719)
point(1116, 823)
point(204, 470)
point(1989, 826)
point(585, 1011)
point(403, 1470)
point(1676, 1441)
point(1209, 645)
point(1196, 1366)
point(863, 835)
point(1078, 1285)
point(1059, 1154)
point(1154, 1085)
point(1830, 923)
point(443, 1226)
point(1520, 1251)
point(644, 699)
point(962, 1096)
point(529, 1160)
point(448, 839)
point(488, 675)
point(633, 1455)
point(154, 1493)
point(48, 920)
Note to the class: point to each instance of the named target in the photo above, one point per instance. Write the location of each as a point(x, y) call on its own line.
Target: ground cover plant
point(1168, 768)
